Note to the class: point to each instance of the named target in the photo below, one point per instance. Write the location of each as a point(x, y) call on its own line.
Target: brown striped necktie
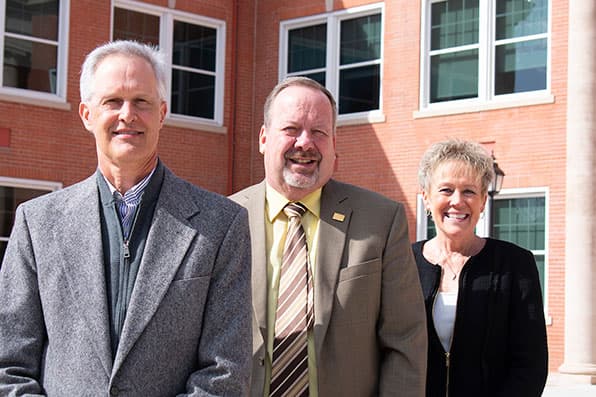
point(294, 316)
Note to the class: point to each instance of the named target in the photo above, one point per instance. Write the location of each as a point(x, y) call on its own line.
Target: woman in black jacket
point(486, 329)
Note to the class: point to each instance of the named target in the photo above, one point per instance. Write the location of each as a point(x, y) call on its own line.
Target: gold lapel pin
point(338, 217)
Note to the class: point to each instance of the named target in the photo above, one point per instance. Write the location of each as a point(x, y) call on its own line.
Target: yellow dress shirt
point(276, 225)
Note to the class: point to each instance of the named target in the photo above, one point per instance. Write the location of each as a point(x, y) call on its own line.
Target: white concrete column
point(580, 242)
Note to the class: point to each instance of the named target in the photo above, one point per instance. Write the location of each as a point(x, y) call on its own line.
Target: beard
point(300, 181)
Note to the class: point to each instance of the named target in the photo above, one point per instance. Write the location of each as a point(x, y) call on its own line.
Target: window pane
point(33, 18)
point(132, 25)
point(520, 67)
point(307, 48)
point(521, 221)
point(193, 94)
point(454, 23)
point(518, 18)
point(359, 89)
point(318, 77)
point(360, 39)
point(194, 46)
point(30, 65)
point(454, 76)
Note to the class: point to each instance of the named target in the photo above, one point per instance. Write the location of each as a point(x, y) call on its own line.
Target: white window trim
point(167, 16)
point(333, 21)
point(31, 97)
point(486, 99)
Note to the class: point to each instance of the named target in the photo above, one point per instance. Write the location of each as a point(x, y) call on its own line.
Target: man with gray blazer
point(132, 282)
point(348, 320)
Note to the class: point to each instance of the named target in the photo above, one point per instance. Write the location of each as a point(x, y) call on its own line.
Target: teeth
point(457, 216)
point(302, 161)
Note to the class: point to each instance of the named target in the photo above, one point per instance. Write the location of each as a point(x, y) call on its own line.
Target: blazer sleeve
point(527, 351)
point(22, 332)
point(402, 324)
point(224, 354)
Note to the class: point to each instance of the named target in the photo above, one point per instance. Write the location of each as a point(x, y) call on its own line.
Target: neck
point(468, 246)
point(124, 178)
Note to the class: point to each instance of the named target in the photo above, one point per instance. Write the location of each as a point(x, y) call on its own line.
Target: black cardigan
point(499, 343)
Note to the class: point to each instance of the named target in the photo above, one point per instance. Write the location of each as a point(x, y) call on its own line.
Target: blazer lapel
point(168, 241)
point(83, 265)
point(254, 201)
point(333, 226)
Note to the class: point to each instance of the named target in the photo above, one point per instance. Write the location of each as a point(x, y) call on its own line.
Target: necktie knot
point(294, 210)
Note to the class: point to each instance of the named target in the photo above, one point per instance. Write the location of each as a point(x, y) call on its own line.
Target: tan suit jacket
point(370, 326)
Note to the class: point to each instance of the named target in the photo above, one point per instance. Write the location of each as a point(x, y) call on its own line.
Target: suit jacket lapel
point(332, 238)
point(168, 241)
point(254, 201)
point(83, 265)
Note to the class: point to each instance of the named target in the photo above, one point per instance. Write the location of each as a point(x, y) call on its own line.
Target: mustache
point(309, 154)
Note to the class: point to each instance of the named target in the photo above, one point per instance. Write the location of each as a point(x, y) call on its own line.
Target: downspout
point(232, 126)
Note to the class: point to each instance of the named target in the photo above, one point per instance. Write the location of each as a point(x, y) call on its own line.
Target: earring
point(428, 213)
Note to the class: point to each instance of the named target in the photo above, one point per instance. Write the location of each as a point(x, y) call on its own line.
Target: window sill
point(472, 107)
point(195, 124)
point(35, 100)
point(361, 118)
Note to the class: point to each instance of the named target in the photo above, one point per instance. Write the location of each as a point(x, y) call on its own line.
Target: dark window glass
point(518, 18)
point(360, 39)
point(37, 19)
point(132, 25)
point(307, 48)
point(454, 76)
point(193, 94)
point(454, 23)
point(359, 89)
point(194, 46)
point(30, 65)
point(520, 67)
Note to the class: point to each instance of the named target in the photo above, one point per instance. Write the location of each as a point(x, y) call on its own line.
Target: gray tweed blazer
point(188, 326)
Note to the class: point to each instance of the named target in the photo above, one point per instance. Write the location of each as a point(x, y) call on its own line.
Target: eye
point(320, 133)
point(445, 190)
point(290, 130)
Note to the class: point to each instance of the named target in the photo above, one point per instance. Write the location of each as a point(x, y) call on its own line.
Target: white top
point(444, 316)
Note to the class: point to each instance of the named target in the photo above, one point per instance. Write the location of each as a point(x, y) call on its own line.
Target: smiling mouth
point(127, 132)
point(457, 216)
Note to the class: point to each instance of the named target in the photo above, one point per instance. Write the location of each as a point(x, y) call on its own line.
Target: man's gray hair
point(127, 48)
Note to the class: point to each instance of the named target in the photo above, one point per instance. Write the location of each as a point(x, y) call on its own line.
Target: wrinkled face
point(299, 144)
point(455, 199)
point(125, 113)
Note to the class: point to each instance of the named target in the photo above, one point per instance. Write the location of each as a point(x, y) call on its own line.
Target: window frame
point(39, 98)
point(332, 69)
point(167, 17)
point(487, 42)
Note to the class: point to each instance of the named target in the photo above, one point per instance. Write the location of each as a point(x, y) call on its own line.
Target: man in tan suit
point(368, 333)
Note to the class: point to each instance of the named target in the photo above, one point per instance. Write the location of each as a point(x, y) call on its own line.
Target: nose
point(127, 112)
point(456, 197)
point(304, 140)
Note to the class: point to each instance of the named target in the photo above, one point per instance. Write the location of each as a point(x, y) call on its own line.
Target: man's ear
point(262, 139)
point(84, 114)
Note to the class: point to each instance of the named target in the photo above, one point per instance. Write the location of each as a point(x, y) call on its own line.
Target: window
point(341, 50)
point(12, 193)
point(34, 43)
point(195, 49)
point(478, 51)
point(522, 221)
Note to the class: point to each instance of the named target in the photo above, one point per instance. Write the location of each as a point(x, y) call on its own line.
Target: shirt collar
point(276, 202)
point(134, 191)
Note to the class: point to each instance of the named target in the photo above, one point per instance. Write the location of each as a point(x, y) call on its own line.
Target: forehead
point(454, 169)
point(303, 100)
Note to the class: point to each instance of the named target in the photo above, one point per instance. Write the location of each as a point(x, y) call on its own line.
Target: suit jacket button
point(261, 361)
point(114, 391)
